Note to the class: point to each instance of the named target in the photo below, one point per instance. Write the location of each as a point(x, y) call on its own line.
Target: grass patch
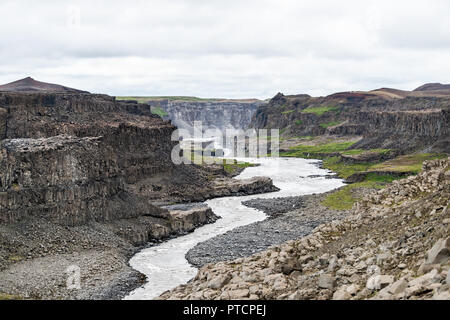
point(345, 170)
point(231, 168)
point(145, 99)
point(298, 122)
point(330, 124)
point(360, 151)
point(318, 111)
point(287, 112)
point(308, 151)
point(344, 198)
point(159, 111)
point(407, 163)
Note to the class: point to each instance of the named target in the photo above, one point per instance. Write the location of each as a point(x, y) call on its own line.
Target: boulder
point(378, 282)
point(326, 281)
point(398, 287)
point(342, 294)
point(219, 281)
point(440, 252)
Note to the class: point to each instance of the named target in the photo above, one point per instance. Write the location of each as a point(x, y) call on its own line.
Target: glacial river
point(165, 264)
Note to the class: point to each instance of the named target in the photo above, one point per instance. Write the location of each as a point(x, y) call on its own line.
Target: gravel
point(283, 224)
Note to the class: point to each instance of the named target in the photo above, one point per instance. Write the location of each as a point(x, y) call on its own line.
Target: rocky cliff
point(221, 115)
point(407, 123)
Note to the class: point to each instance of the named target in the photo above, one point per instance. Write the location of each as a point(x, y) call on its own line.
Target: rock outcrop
point(405, 122)
point(393, 245)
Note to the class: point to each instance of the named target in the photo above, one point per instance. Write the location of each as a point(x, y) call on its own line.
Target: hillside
point(30, 85)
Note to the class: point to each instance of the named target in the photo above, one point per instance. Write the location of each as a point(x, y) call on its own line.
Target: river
point(165, 264)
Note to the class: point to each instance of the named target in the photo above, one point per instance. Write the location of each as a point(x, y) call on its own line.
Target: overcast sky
point(233, 49)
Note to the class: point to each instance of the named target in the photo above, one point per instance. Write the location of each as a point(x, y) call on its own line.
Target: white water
point(165, 265)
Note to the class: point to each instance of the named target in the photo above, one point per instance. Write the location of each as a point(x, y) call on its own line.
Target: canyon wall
point(221, 115)
point(407, 124)
point(75, 158)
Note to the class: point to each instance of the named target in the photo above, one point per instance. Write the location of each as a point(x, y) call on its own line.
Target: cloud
point(226, 48)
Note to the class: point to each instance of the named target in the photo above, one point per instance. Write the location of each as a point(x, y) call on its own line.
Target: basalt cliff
point(385, 118)
point(214, 114)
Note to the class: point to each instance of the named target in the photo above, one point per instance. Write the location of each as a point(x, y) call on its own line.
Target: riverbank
point(288, 218)
point(393, 244)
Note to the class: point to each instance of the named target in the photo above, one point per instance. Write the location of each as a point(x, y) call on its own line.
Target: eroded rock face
point(222, 115)
point(405, 124)
point(73, 158)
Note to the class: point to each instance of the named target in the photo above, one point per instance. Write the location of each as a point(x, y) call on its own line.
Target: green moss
point(319, 111)
point(287, 112)
point(298, 122)
point(159, 111)
point(330, 124)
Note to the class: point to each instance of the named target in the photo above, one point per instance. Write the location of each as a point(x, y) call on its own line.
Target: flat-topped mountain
point(30, 85)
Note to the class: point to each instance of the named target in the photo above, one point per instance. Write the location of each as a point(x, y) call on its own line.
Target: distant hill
point(433, 87)
point(30, 85)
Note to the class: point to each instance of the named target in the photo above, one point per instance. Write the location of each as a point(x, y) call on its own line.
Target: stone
point(383, 257)
point(326, 281)
point(373, 269)
point(442, 295)
point(430, 277)
point(342, 294)
point(398, 287)
point(353, 289)
point(440, 252)
point(379, 282)
point(447, 279)
point(238, 294)
point(219, 281)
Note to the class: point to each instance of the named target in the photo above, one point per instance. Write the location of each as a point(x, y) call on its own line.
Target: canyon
point(87, 180)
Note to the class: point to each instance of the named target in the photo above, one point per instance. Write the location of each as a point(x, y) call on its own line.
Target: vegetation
point(145, 99)
point(344, 170)
point(408, 163)
point(360, 151)
point(316, 151)
point(330, 124)
point(345, 197)
point(298, 122)
point(375, 178)
point(320, 110)
point(287, 112)
point(232, 168)
point(4, 296)
point(159, 111)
